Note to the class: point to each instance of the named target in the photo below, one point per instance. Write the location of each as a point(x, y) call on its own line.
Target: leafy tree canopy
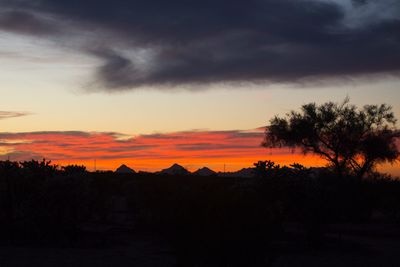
point(353, 140)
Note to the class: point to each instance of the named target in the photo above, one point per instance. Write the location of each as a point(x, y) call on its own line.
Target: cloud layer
point(162, 43)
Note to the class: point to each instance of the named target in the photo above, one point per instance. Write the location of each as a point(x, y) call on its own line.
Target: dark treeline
point(224, 221)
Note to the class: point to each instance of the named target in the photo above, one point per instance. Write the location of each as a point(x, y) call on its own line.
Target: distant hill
point(204, 172)
point(175, 169)
point(124, 169)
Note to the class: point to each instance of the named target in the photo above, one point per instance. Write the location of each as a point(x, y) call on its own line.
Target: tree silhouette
point(40, 169)
point(353, 140)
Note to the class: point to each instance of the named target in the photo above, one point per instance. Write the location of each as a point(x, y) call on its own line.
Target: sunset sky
point(151, 83)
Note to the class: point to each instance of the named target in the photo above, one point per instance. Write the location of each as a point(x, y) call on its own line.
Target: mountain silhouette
point(175, 169)
point(205, 171)
point(124, 169)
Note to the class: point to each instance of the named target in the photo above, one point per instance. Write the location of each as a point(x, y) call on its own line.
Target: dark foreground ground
point(280, 217)
point(345, 245)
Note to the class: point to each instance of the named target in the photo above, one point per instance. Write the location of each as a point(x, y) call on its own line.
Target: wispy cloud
point(12, 114)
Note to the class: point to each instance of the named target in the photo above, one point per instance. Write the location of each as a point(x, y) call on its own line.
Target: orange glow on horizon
point(153, 152)
point(216, 164)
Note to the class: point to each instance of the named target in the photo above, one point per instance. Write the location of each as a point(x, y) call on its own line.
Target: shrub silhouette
point(73, 169)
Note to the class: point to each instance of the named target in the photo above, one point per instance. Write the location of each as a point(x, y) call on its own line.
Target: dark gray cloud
point(177, 42)
point(26, 23)
point(12, 114)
